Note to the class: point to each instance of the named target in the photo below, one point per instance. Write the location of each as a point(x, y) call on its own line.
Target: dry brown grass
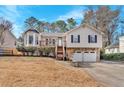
point(38, 71)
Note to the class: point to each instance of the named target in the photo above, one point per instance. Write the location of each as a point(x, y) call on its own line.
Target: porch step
point(59, 52)
point(59, 56)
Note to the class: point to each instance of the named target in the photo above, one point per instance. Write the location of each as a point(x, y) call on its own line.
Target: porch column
point(39, 40)
point(56, 41)
point(27, 39)
point(33, 39)
point(63, 45)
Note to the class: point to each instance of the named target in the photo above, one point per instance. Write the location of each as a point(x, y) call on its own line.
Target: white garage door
point(89, 56)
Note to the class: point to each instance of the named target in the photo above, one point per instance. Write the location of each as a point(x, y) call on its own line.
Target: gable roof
point(12, 35)
point(33, 30)
point(86, 25)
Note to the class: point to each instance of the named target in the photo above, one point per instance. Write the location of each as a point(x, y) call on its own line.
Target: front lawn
point(39, 71)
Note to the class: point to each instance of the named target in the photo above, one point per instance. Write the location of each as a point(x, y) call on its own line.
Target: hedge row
point(114, 56)
point(40, 51)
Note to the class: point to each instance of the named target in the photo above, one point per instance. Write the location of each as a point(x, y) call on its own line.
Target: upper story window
point(75, 38)
point(92, 38)
point(30, 39)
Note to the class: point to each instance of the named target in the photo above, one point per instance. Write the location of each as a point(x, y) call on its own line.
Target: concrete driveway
point(110, 73)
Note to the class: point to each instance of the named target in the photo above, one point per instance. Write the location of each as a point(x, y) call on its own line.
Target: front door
point(59, 41)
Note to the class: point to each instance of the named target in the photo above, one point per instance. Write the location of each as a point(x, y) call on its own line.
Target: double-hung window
point(75, 38)
point(30, 39)
point(92, 38)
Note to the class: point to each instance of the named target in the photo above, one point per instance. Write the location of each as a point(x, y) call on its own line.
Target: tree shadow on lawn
point(83, 65)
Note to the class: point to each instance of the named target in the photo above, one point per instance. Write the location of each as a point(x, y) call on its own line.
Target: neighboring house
point(112, 49)
point(116, 48)
point(83, 38)
point(9, 42)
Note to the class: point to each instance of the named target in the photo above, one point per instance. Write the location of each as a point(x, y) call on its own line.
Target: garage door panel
point(77, 57)
point(89, 56)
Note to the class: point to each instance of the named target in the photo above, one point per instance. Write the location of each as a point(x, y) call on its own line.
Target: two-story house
point(83, 38)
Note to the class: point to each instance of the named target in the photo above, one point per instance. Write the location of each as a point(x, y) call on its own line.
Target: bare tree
point(5, 25)
point(106, 19)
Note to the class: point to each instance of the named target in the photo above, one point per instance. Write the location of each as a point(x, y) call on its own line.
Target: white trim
point(34, 39)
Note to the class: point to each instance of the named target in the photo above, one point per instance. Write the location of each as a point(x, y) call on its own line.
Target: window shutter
point(78, 38)
point(88, 38)
point(95, 38)
point(71, 38)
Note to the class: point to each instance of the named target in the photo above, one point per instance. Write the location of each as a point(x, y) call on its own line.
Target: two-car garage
point(84, 56)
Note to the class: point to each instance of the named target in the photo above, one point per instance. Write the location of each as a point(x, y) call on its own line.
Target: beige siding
point(9, 40)
point(84, 32)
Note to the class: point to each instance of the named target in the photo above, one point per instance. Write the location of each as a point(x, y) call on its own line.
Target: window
point(49, 41)
point(46, 41)
point(36, 40)
point(86, 52)
point(92, 38)
point(92, 52)
point(30, 39)
point(75, 38)
point(53, 41)
point(71, 38)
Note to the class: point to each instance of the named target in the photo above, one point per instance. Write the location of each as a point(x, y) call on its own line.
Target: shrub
point(52, 51)
point(102, 52)
point(30, 50)
point(21, 49)
point(114, 56)
point(40, 49)
point(27, 50)
point(48, 50)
